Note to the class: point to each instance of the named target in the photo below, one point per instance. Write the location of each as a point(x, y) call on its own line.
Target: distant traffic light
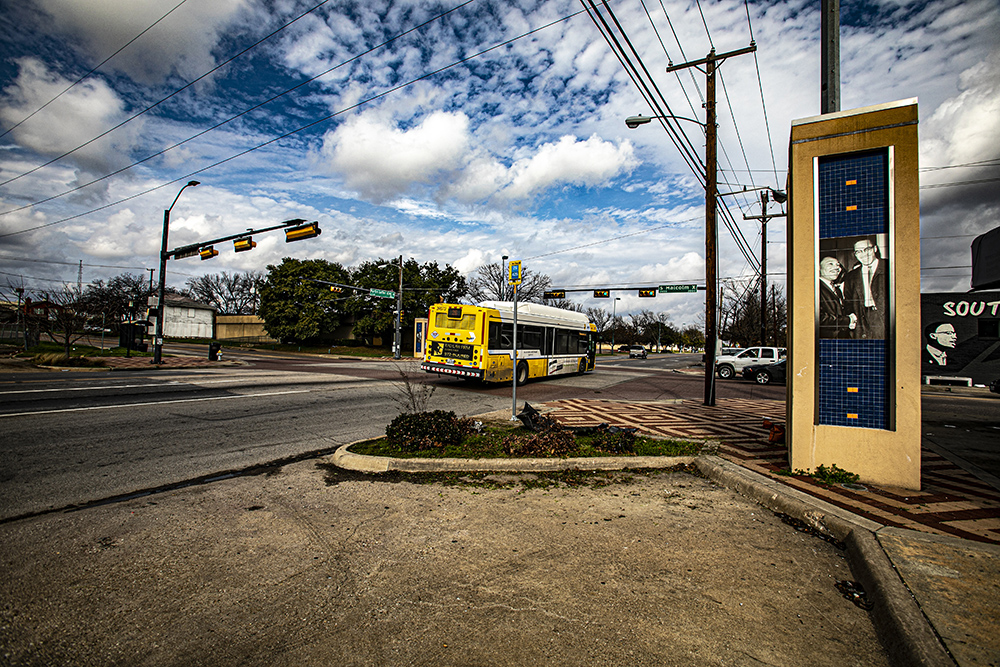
point(334, 288)
point(647, 292)
point(304, 232)
point(555, 294)
point(208, 252)
point(602, 294)
point(242, 245)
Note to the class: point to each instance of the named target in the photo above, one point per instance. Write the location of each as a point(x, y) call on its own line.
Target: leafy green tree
point(296, 308)
point(423, 285)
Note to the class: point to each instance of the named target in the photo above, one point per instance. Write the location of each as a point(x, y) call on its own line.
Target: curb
point(343, 458)
point(902, 627)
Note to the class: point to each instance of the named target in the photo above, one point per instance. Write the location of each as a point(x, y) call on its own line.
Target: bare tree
point(65, 316)
point(490, 284)
point(230, 293)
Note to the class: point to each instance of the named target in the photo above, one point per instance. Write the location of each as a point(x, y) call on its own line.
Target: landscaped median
point(440, 441)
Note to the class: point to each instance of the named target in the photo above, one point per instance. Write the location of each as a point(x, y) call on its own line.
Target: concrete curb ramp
point(905, 631)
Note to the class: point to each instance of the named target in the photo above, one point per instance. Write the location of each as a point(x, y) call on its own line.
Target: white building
point(186, 318)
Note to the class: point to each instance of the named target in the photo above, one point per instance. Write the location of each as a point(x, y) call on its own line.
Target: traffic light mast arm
point(250, 232)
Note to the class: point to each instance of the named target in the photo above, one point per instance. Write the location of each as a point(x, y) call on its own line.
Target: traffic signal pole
point(711, 224)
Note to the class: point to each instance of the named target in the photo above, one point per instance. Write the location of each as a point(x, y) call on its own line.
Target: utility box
point(854, 294)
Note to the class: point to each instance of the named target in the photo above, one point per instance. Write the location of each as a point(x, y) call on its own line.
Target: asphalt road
point(72, 438)
point(78, 437)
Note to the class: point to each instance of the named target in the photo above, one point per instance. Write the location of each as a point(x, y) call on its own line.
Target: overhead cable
point(97, 67)
point(302, 128)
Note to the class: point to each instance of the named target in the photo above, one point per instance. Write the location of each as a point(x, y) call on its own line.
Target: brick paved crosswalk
point(950, 502)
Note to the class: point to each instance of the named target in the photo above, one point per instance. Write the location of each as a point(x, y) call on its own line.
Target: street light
point(711, 233)
point(158, 338)
point(614, 306)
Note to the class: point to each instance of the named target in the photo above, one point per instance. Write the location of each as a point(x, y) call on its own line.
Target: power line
point(52, 261)
point(992, 162)
point(97, 67)
point(948, 185)
point(232, 118)
point(297, 130)
point(161, 101)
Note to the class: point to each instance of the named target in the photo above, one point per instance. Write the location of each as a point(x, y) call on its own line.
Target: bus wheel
point(522, 373)
point(582, 368)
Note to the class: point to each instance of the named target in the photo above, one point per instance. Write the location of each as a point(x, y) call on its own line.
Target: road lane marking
point(134, 405)
point(110, 386)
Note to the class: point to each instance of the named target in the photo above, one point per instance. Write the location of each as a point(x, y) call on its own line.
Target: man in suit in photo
point(865, 290)
point(833, 321)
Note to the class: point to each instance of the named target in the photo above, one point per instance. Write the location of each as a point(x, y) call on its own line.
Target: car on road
point(637, 352)
point(623, 348)
point(773, 373)
point(728, 365)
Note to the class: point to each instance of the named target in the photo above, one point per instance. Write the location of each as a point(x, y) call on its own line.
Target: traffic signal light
point(555, 294)
point(602, 294)
point(242, 245)
point(303, 232)
point(208, 252)
point(334, 288)
point(647, 292)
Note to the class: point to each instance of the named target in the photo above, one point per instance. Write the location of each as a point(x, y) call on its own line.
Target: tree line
point(296, 302)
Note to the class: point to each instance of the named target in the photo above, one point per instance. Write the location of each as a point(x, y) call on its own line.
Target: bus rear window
point(445, 321)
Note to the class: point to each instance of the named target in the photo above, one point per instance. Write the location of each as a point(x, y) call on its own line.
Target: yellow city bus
point(476, 342)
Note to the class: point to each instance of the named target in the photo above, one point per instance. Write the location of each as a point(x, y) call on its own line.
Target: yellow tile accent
point(852, 390)
point(852, 415)
point(853, 181)
point(852, 208)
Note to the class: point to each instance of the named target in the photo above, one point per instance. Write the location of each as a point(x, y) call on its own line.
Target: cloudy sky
point(458, 132)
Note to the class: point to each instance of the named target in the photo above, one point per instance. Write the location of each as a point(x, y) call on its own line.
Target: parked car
point(728, 365)
point(636, 352)
point(774, 373)
point(623, 348)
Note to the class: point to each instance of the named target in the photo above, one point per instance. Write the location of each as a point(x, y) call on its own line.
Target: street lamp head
point(193, 183)
point(779, 196)
point(633, 122)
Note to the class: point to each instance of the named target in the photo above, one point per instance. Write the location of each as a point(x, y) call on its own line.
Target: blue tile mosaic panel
point(853, 197)
point(853, 373)
point(852, 377)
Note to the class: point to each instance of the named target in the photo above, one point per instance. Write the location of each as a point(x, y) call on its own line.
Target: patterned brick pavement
point(951, 501)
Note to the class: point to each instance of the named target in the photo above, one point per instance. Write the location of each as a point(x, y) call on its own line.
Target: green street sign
point(382, 293)
point(667, 289)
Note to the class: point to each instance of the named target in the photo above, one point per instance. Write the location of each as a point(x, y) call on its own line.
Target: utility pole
point(711, 224)
point(829, 95)
point(779, 197)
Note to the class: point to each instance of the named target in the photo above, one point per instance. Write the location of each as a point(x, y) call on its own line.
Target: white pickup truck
point(728, 365)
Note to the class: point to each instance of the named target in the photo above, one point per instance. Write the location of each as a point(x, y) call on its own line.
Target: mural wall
point(961, 335)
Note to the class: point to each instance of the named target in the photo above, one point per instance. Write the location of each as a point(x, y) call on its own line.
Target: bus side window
point(506, 336)
point(500, 336)
point(530, 338)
